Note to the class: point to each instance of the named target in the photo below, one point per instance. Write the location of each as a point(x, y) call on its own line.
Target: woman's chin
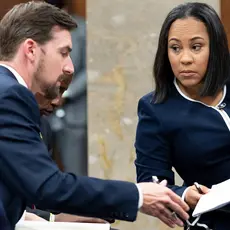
point(190, 83)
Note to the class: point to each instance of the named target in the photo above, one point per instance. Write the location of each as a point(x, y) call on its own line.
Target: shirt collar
point(16, 74)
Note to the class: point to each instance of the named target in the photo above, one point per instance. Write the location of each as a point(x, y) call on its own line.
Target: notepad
point(218, 197)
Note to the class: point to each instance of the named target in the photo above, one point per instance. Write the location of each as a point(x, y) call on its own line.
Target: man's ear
point(30, 49)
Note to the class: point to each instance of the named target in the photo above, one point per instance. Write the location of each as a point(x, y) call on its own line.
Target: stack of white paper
point(40, 225)
point(218, 197)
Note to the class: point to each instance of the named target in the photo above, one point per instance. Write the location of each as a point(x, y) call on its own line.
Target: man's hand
point(161, 202)
point(192, 195)
point(62, 217)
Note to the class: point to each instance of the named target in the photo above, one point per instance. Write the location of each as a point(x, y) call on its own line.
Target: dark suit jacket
point(28, 174)
point(4, 224)
point(189, 136)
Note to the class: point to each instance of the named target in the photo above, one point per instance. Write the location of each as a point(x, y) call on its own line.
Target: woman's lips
point(187, 73)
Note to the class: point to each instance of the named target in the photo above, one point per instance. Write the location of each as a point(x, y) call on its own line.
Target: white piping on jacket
point(219, 108)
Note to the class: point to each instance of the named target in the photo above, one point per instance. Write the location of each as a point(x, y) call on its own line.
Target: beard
point(49, 90)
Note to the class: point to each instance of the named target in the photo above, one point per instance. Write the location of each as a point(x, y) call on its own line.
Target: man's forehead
point(62, 37)
point(58, 29)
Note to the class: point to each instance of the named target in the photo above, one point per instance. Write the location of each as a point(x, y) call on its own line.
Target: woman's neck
point(194, 94)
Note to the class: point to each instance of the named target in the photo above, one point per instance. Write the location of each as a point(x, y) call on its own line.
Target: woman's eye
point(176, 49)
point(196, 47)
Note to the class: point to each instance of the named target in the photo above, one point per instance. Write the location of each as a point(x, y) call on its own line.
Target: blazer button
point(126, 215)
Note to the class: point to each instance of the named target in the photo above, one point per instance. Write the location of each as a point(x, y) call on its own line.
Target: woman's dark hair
point(217, 72)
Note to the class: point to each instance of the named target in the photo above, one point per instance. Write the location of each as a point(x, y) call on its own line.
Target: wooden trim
point(6, 5)
point(225, 17)
point(78, 7)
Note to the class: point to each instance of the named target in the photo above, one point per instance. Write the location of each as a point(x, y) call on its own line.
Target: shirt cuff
point(140, 202)
point(184, 193)
point(52, 217)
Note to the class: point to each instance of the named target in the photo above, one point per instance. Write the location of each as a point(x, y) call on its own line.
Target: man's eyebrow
point(66, 48)
point(69, 49)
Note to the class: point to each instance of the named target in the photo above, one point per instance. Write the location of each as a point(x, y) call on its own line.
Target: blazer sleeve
point(153, 155)
point(27, 169)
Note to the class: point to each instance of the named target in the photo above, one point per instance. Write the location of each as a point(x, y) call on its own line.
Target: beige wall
point(122, 40)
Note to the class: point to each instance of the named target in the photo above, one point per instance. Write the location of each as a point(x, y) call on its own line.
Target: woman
point(185, 123)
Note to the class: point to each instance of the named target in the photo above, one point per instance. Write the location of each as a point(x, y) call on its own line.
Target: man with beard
point(35, 43)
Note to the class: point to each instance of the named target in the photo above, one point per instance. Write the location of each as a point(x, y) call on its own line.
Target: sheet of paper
point(218, 197)
point(40, 225)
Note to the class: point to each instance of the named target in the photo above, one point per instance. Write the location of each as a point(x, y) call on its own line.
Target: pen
point(155, 179)
point(198, 188)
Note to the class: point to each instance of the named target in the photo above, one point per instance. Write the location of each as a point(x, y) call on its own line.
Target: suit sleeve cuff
point(141, 199)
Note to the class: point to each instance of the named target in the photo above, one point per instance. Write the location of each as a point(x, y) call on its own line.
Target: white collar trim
point(190, 99)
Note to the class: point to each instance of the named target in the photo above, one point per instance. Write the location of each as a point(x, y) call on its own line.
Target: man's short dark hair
point(217, 73)
point(33, 20)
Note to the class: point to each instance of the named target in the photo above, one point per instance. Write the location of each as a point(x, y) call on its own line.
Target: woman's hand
point(192, 195)
point(32, 217)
